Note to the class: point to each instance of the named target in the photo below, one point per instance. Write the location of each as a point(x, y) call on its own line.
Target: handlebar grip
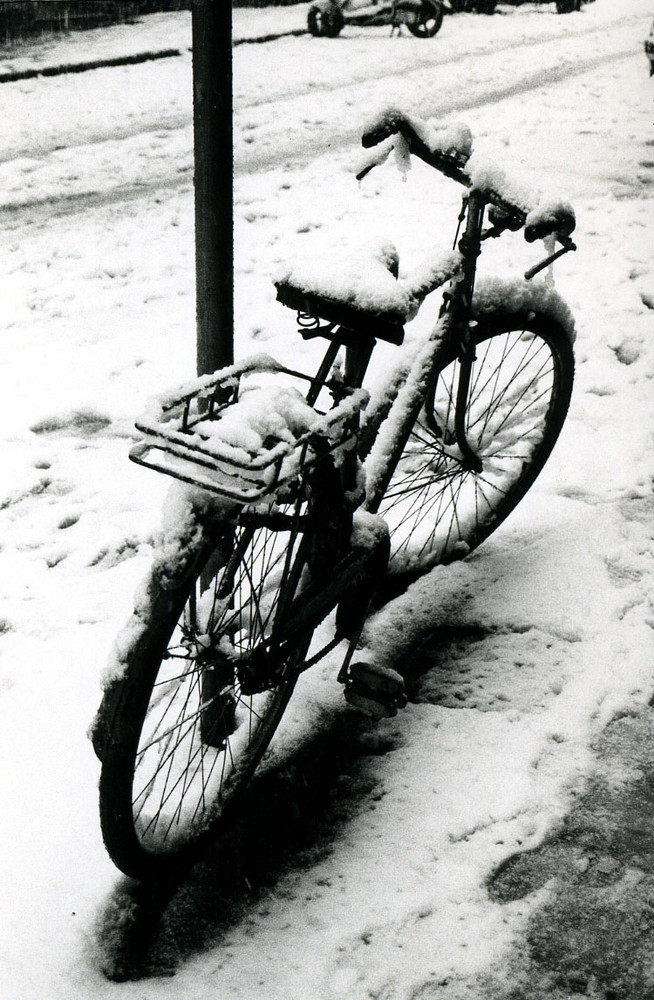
point(392, 122)
point(373, 136)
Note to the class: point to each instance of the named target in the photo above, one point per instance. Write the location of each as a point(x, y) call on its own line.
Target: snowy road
point(431, 83)
point(280, 118)
point(365, 852)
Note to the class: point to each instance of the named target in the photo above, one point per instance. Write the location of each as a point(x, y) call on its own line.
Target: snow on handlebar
point(450, 151)
point(447, 150)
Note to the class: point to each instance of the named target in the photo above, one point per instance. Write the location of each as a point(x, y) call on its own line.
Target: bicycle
point(274, 526)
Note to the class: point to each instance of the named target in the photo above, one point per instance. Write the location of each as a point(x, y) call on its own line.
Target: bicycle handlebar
point(394, 123)
point(538, 220)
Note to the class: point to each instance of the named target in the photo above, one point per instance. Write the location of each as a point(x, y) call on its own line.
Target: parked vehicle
point(423, 18)
point(649, 49)
point(562, 6)
point(478, 6)
point(489, 6)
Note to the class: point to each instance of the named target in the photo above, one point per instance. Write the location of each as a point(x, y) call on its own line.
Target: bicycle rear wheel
point(185, 733)
point(437, 510)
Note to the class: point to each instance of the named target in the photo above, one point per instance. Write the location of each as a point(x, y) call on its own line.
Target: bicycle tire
point(169, 777)
point(325, 20)
point(428, 22)
point(438, 511)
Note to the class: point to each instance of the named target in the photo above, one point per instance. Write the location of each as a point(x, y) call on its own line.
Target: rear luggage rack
point(182, 432)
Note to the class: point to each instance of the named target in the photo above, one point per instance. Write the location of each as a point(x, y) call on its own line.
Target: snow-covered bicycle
point(302, 495)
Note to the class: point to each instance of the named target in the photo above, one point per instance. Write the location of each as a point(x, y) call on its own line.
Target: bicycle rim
point(437, 510)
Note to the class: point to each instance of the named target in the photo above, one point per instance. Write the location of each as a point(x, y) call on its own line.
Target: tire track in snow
point(21, 214)
point(420, 64)
point(316, 138)
point(41, 149)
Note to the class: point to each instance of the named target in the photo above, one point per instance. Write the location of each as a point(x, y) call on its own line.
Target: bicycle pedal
point(376, 690)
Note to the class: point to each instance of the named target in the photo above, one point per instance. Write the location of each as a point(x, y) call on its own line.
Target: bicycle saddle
point(359, 292)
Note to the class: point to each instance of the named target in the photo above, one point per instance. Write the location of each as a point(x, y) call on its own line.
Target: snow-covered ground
point(548, 628)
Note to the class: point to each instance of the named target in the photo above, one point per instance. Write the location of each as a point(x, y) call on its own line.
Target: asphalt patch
point(593, 935)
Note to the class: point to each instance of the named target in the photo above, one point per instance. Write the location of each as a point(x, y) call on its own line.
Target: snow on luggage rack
point(239, 441)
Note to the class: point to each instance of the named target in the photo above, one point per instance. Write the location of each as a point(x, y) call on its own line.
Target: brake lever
point(379, 156)
point(566, 246)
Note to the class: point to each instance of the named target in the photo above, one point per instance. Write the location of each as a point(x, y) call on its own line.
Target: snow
point(251, 444)
point(243, 427)
point(386, 895)
point(360, 279)
point(523, 296)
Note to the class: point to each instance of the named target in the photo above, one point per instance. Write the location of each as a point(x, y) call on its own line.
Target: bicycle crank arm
point(305, 613)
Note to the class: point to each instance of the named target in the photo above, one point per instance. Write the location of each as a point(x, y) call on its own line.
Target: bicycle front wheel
point(185, 730)
point(437, 509)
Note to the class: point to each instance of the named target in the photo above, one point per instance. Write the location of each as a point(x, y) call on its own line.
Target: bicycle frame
point(402, 401)
point(386, 425)
point(399, 410)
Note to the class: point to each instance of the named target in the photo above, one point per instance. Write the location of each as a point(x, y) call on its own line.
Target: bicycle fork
point(460, 302)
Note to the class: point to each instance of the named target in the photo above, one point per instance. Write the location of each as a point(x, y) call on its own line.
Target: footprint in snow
point(85, 422)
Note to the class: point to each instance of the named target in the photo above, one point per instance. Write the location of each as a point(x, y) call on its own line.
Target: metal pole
point(214, 209)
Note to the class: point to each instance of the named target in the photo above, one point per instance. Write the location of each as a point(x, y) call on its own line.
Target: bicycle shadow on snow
point(288, 819)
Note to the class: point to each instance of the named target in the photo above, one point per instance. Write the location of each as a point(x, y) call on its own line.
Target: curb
point(295, 33)
point(142, 57)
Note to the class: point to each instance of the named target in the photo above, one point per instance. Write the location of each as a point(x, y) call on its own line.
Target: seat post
point(358, 351)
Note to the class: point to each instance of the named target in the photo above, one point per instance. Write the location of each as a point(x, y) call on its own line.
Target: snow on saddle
point(363, 291)
point(360, 292)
